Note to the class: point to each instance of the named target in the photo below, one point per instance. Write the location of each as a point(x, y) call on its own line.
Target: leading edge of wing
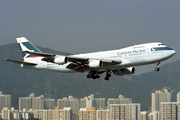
point(39, 54)
point(20, 62)
point(75, 59)
point(83, 60)
point(86, 60)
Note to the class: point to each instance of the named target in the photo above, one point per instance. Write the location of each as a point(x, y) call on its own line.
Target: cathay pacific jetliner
point(118, 62)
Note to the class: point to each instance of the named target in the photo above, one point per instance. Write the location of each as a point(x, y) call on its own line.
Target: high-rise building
point(170, 111)
point(144, 115)
point(93, 113)
point(38, 102)
point(46, 114)
point(90, 101)
point(160, 96)
point(120, 100)
point(86, 102)
point(150, 116)
point(82, 103)
point(25, 102)
point(31, 102)
point(125, 111)
point(74, 104)
point(154, 115)
point(5, 100)
point(84, 114)
point(66, 113)
point(178, 97)
point(26, 114)
point(100, 103)
point(102, 114)
point(87, 113)
point(69, 102)
point(63, 102)
point(15, 114)
point(5, 113)
point(49, 103)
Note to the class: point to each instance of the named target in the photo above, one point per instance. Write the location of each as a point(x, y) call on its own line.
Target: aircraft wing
point(39, 54)
point(79, 64)
point(20, 62)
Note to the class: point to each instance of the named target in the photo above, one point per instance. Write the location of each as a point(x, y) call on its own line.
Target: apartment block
point(160, 96)
point(144, 115)
point(102, 114)
point(170, 111)
point(49, 104)
point(5, 113)
point(125, 111)
point(38, 102)
point(69, 102)
point(46, 114)
point(63, 102)
point(120, 100)
point(84, 114)
point(66, 114)
point(178, 97)
point(100, 103)
point(31, 102)
point(5, 100)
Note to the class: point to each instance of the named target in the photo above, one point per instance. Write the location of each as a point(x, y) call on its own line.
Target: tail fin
point(26, 45)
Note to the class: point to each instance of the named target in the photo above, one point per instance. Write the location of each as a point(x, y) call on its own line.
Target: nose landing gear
point(157, 68)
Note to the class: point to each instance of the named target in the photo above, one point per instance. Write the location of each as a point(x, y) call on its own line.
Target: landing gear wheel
point(93, 75)
point(106, 78)
point(97, 76)
point(88, 76)
point(108, 75)
point(157, 69)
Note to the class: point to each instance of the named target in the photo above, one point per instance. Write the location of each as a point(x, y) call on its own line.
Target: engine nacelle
point(60, 60)
point(129, 70)
point(95, 64)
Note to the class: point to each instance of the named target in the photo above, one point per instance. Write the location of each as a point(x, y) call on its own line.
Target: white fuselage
point(136, 55)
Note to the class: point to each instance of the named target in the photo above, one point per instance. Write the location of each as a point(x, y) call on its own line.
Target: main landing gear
point(92, 75)
point(107, 76)
point(157, 68)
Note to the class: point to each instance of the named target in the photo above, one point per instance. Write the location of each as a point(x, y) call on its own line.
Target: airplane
point(117, 62)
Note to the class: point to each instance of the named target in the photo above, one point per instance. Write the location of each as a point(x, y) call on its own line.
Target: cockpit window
point(161, 48)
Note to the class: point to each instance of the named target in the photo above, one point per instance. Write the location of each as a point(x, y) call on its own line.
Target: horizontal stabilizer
point(20, 62)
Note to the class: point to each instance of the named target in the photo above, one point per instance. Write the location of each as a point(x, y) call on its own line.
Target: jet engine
point(95, 64)
point(60, 60)
point(129, 70)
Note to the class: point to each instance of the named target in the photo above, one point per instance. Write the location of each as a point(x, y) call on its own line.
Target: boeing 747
point(117, 62)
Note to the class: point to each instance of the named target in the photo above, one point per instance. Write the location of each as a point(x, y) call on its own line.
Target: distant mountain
point(20, 82)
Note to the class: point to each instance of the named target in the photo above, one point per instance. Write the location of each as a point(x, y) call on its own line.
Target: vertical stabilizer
point(26, 45)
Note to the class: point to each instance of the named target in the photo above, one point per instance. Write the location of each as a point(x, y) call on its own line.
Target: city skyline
point(90, 100)
point(116, 109)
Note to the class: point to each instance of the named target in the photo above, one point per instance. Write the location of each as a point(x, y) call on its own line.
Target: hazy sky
point(80, 26)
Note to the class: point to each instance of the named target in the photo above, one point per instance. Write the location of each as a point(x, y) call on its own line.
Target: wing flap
point(77, 67)
point(20, 62)
point(77, 59)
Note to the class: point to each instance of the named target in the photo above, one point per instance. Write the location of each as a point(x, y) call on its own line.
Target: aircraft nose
point(173, 52)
